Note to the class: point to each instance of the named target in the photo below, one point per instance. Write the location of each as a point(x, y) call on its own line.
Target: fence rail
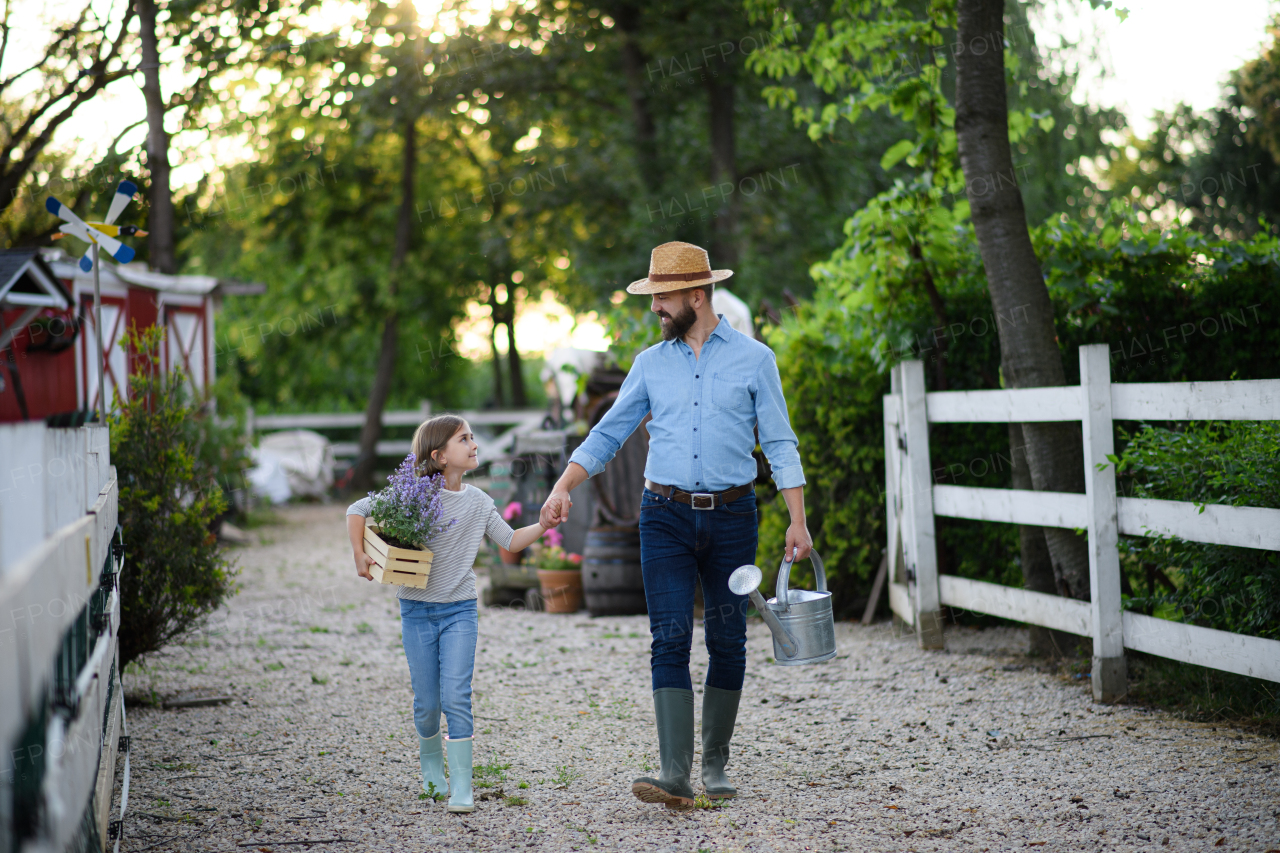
point(917, 592)
point(516, 420)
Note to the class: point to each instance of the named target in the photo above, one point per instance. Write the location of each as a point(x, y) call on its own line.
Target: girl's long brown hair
point(431, 436)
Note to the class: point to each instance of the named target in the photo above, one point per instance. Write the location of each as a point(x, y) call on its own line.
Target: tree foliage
point(1216, 170)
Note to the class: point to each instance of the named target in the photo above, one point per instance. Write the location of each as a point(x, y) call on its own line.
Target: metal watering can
point(802, 622)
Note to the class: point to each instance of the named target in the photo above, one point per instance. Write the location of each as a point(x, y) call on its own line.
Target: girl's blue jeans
point(680, 547)
point(440, 645)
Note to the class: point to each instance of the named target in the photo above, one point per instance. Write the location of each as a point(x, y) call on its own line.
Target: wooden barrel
point(611, 578)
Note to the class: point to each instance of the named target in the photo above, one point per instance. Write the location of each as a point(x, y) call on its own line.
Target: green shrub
point(1172, 306)
point(871, 310)
point(833, 395)
point(1217, 586)
point(174, 574)
point(216, 434)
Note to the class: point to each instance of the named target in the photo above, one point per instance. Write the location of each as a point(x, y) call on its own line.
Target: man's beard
point(675, 327)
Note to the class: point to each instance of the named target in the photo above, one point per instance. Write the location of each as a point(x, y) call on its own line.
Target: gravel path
point(885, 748)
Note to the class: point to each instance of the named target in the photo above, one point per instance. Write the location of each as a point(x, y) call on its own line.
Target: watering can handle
point(784, 578)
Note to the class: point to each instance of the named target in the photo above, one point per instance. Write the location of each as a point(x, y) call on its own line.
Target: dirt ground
point(885, 748)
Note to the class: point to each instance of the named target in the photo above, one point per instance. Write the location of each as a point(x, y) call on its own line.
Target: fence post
point(917, 508)
point(894, 529)
point(1109, 673)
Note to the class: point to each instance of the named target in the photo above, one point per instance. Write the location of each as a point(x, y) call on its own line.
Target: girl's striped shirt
point(454, 551)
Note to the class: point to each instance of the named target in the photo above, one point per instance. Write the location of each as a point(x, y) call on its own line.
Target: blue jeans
point(440, 645)
point(680, 546)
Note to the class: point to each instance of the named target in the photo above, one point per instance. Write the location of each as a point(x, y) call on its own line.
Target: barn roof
point(27, 281)
point(137, 274)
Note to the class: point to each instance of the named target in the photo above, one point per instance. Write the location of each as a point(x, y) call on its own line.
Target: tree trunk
point(1037, 567)
point(635, 67)
point(362, 478)
point(160, 209)
point(724, 168)
point(518, 397)
point(1024, 314)
point(495, 314)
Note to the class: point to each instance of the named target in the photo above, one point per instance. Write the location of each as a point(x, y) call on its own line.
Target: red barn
point(48, 358)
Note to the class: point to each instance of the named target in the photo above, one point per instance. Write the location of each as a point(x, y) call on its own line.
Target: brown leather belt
point(700, 500)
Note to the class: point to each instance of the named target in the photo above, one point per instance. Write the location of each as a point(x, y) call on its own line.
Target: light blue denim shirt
point(704, 411)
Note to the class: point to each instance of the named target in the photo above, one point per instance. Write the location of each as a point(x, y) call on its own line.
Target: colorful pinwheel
point(99, 233)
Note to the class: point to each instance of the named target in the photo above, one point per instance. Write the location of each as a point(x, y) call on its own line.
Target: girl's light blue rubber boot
point(461, 799)
point(431, 757)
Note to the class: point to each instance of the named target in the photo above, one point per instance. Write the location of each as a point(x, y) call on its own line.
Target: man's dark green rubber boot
point(719, 713)
point(674, 709)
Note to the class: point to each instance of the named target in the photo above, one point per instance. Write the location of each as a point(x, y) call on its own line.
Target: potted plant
point(510, 513)
point(559, 576)
point(403, 517)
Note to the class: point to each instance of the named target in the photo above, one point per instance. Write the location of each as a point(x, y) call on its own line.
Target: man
point(709, 388)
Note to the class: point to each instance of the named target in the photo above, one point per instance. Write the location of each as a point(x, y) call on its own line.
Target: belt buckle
point(709, 496)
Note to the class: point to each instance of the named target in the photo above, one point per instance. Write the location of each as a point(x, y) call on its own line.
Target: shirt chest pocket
point(731, 391)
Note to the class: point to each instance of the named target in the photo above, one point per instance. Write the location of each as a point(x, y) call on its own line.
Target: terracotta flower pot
point(511, 558)
point(561, 591)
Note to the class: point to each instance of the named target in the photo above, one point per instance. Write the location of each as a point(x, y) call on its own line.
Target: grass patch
point(274, 666)
point(516, 801)
point(1204, 695)
point(317, 629)
point(318, 679)
point(364, 628)
point(261, 516)
point(702, 801)
point(564, 775)
point(490, 774)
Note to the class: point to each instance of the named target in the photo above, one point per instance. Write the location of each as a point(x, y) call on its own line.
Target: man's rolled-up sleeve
point(777, 439)
point(617, 424)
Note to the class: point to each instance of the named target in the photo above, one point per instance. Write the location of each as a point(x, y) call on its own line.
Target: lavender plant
point(411, 508)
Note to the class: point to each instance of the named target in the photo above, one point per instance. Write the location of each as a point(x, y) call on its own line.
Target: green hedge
point(1228, 588)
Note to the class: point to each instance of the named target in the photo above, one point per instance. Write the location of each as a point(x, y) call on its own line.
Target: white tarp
point(564, 365)
point(267, 476)
point(291, 463)
point(734, 310)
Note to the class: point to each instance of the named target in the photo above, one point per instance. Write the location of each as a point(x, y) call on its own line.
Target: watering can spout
point(744, 581)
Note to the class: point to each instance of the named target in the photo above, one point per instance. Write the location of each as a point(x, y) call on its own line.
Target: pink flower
point(554, 538)
point(512, 510)
point(575, 558)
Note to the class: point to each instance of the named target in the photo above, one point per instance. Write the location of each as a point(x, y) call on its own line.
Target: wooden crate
point(399, 566)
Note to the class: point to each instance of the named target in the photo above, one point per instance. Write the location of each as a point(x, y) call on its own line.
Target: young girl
point(439, 622)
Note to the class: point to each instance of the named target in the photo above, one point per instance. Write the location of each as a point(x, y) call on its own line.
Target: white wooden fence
point(61, 708)
point(516, 421)
point(917, 592)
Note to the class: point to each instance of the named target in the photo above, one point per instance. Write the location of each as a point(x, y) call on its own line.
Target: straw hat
point(675, 266)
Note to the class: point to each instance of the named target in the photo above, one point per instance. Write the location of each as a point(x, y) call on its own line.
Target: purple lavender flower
point(411, 507)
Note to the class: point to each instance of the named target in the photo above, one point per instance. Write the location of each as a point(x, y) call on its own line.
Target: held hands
point(799, 542)
point(363, 562)
point(555, 511)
